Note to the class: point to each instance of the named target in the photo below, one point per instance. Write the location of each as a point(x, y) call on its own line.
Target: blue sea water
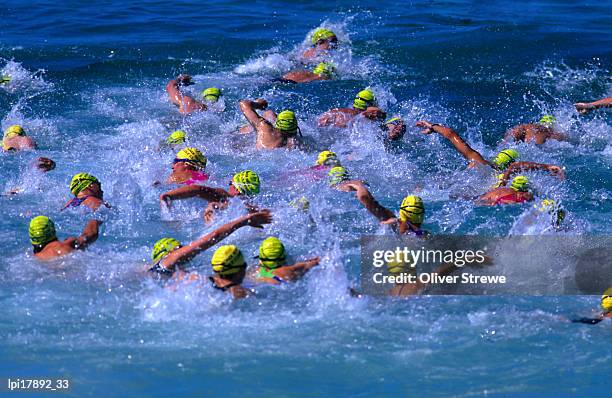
point(88, 85)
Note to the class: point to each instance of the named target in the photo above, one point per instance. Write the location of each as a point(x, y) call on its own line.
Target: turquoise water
point(88, 84)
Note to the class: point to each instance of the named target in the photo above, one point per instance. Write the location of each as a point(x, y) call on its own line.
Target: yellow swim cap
point(246, 182)
point(326, 69)
point(42, 231)
point(551, 207)
point(5, 79)
point(81, 181)
point(504, 158)
point(520, 184)
point(177, 137)
point(287, 122)
point(412, 210)
point(398, 266)
point(13, 131)
point(162, 247)
point(301, 203)
point(191, 156)
point(228, 260)
point(211, 94)
point(548, 120)
point(606, 300)
point(337, 175)
point(322, 34)
point(328, 158)
point(271, 253)
point(364, 99)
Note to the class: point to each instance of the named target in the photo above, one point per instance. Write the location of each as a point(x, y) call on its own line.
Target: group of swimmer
point(281, 130)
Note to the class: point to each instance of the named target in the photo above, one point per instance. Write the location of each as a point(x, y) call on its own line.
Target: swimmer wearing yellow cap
point(284, 132)
point(586, 107)
point(45, 244)
point(15, 139)
point(395, 128)
point(185, 103)
point(170, 256)
point(323, 71)
point(273, 268)
point(244, 184)
point(518, 192)
point(537, 133)
point(188, 167)
point(364, 104)
point(87, 191)
point(606, 306)
point(323, 40)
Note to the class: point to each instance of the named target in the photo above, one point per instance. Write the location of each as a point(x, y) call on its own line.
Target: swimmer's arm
point(297, 270)
point(89, 235)
point(374, 113)
point(589, 321)
point(255, 220)
point(248, 109)
point(518, 167)
point(585, 107)
point(192, 191)
point(462, 147)
point(187, 103)
point(370, 203)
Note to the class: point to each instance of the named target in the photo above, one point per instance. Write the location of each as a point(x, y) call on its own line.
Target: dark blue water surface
point(88, 85)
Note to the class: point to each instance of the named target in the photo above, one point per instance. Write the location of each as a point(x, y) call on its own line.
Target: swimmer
point(44, 240)
point(185, 103)
point(15, 139)
point(87, 190)
point(411, 211)
point(188, 167)
point(506, 159)
point(5, 79)
point(538, 133)
point(175, 139)
point(243, 185)
point(364, 104)
point(606, 306)
point(323, 71)
point(395, 128)
point(282, 134)
point(322, 40)
point(325, 161)
point(272, 267)
point(585, 107)
point(517, 193)
point(169, 255)
point(211, 94)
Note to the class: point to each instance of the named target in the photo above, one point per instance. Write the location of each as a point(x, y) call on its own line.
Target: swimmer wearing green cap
point(44, 240)
point(364, 104)
point(537, 133)
point(586, 107)
point(87, 191)
point(323, 40)
point(395, 128)
point(283, 133)
point(15, 139)
point(323, 71)
point(518, 192)
point(185, 103)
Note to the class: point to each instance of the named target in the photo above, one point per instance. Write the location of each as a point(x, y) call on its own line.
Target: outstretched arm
point(193, 191)
point(184, 102)
point(518, 167)
point(470, 154)
point(248, 109)
point(297, 270)
point(185, 253)
point(585, 107)
point(89, 235)
point(367, 200)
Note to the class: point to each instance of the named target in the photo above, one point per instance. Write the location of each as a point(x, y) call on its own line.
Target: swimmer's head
point(337, 175)
point(412, 210)
point(504, 158)
point(396, 126)
point(13, 131)
point(191, 156)
point(211, 94)
point(322, 35)
point(363, 99)
point(325, 69)
point(228, 261)
point(301, 204)
point(271, 253)
point(548, 120)
point(287, 122)
point(327, 158)
point(5, 79)
point(177, 137)
point(606, 300)
point(42, 231)
point(520, 184)
point(162, 247)
point(81, 182)
point(397, 266)
point(555, 210)
point(246, 182)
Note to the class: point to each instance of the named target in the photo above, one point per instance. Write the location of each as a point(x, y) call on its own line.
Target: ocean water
point(88, 85)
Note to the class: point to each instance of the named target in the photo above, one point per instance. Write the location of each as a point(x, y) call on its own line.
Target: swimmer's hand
point(427, 127)
point(184, 80)
point(165, 200)
point(390, 221)
point(259, 219)
point(557, 172)
point(583, 108)
point(374, 113)
point(260, 103)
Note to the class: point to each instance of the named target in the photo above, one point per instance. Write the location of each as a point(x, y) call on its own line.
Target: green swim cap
point(5, 79)
point(177, 137)
point(228, 260)
point(326, 69)
point(504, 158)
point(287, 122)
point(412, 210)
point(337, 175)
point(42, 231)
point(364, 99)
point(322, 34)
point(328, 158)
point(162, 247)
point(82, 181)
point(548, 120)
point(246, 182)
point(520, 184)
point(211, 94)
point(271, 252)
